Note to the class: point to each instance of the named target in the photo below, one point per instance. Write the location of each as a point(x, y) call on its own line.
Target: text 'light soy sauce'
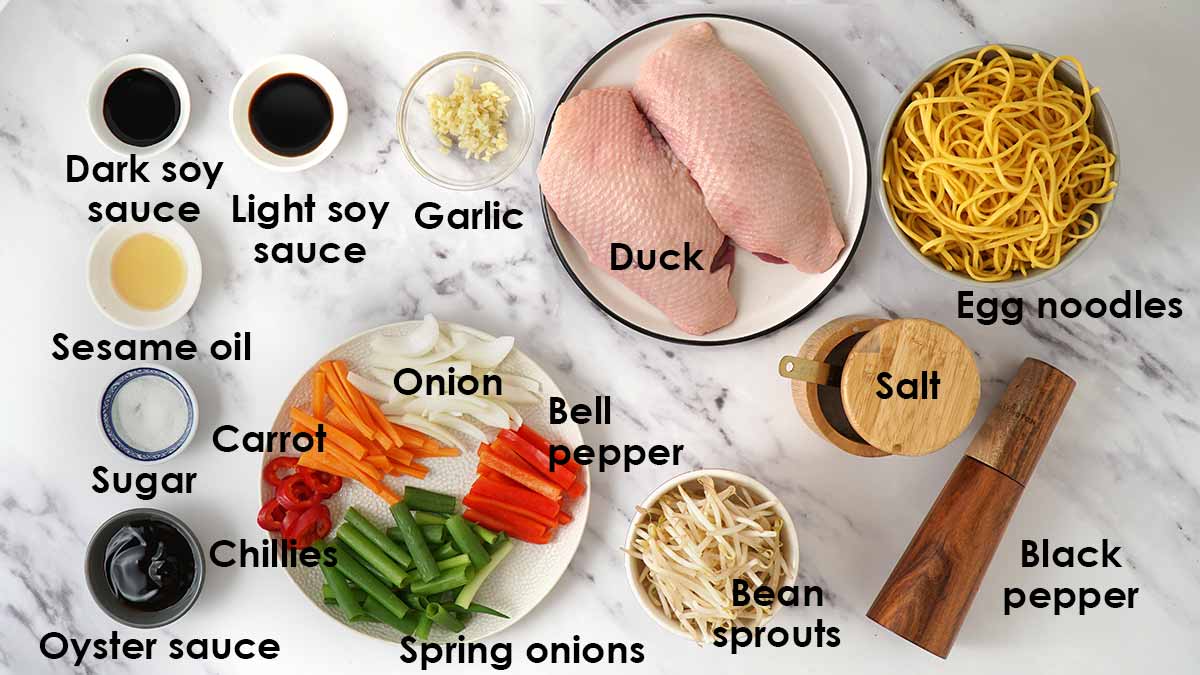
point(141, 107)
point(290, 115)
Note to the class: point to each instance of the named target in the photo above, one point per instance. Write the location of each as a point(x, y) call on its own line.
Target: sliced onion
point(513, 380)
point(443, 368)
point(428, 428)
point(418, 342)
point(460, 425)
point(484, 353)
point(514, 417)
point(482, 409)
point(374, 389)
point(473, 332)
point(397, 405)
point(518, 396)
point(395, 362)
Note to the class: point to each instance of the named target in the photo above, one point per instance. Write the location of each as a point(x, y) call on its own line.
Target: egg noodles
point(993, 168)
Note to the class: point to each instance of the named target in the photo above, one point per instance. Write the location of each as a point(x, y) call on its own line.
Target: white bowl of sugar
point(148, 413)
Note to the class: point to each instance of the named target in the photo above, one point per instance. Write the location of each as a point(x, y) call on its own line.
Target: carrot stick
point(399, 455)
point(329, 464)
point(504, 510)
point(414, 470)
point(331, 433)
point(367, 414)
point(379, 461)
point(442, 451)
point(517, 496)
point(564, 518)
point(379, 419)
point(353, 462)
point(318, 395)
point(356, 397)
point(409, 436)
point(346, 468)
point(337, 418)
point(534, 535)
point(362, 472)
point(522, 475)
point(341, 399)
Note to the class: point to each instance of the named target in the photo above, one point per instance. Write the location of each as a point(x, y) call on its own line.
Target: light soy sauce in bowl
point(290, 115)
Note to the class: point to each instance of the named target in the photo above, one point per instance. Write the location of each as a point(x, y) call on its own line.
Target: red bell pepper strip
point(272, 515)
point(527, 477)
point(538, 441)
point(314, 523)
point(530, 532)
point(499, 509)
point(495, 475)
point(276, 470)
point(534, 458)
point(517, 496)
point(577, 488)
point(298, 492)
point(327, 483)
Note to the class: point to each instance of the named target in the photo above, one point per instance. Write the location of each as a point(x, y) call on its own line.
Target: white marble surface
point(1122, 465)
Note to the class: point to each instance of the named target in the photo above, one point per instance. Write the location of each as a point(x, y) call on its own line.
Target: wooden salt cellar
point(835, 385)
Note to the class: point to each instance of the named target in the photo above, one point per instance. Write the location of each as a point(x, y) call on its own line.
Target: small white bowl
point(111, 423)
point(100, 88)
point(284, 64)
point(99, 275)
point(450, 169)
point(722, 478)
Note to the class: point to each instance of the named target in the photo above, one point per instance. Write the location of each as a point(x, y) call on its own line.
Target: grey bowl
point(98, 584)
point(1103, 127)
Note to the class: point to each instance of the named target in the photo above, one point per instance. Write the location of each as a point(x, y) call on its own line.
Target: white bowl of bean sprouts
point(677, 569)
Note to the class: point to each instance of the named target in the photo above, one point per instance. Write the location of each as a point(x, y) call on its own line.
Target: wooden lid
point(912, 351)
point(1016, 432)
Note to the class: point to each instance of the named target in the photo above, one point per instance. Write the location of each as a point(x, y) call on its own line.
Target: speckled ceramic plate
point(528, 573)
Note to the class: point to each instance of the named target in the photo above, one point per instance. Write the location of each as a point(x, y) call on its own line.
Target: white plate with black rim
point(768, 296)
point(526, 576)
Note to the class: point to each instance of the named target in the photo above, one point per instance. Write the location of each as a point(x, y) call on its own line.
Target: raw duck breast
point(750, 160)
point(609, 179)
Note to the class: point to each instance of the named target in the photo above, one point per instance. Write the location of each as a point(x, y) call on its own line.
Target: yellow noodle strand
point(992, 168)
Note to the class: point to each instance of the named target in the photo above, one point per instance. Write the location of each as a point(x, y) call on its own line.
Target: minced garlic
point(473, 116)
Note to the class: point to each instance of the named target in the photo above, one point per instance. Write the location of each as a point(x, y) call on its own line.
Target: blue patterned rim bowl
point(110, 415)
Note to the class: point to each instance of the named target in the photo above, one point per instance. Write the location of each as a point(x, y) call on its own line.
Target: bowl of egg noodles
point(998, 165)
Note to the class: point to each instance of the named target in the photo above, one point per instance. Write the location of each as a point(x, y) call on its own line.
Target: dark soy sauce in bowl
point(290, 115)
point(141, 107)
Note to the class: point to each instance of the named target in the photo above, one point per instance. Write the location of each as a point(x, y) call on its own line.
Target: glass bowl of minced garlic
point(465, 121)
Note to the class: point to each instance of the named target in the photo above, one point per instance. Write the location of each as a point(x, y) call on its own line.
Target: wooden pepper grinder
point(928, 594)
